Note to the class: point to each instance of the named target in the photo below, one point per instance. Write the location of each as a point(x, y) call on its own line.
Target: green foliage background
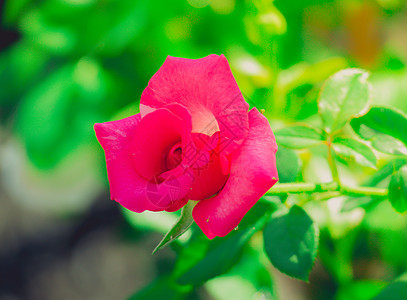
point(78, 62)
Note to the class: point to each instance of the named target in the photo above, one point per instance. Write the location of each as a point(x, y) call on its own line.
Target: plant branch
point(309, 188)
point(331, 161)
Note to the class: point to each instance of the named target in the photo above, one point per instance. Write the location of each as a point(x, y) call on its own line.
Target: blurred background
point(67, 64)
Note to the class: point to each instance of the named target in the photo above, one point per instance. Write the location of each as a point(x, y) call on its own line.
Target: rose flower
point(194, 139)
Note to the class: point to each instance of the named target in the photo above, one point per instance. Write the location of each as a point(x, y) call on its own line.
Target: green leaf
point(22, 67)
point(345, 95)
point(360, 290)
point(398, 190)
point(253, 268)
point(349, 148)
point(203, 259)
point(12, 10)
point(304, 73)
point(42, 118)
point(322, 69)
point(162, 288)
point(387, 170)
point(385, 128)
point(391, 245)
point(182, 225)
point(291, 243)
point(288, 165)
point(230, 287)
point(388, 144)
point(377, 179)
point(249, 279)
point(397, 290)
point(298, 137)
point(383, 217)
point(366, 203)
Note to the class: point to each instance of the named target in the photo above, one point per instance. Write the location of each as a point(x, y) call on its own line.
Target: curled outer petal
point(253, 172)
point(127, 186)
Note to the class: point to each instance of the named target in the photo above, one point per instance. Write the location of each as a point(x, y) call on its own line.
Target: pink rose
point(194, 139)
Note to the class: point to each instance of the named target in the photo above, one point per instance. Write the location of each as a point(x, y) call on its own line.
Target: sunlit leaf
point(398, 190)
point(298, 137)
point(291, 243)
point(345, 95)
point(385, 128)
point(349, 148)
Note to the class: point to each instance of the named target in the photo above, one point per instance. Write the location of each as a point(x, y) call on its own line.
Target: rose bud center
point(174, 156)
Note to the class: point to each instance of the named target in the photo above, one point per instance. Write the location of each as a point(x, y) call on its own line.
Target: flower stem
point(364, 190)
point(331, 161)
point(302, 187)
point(309, 188)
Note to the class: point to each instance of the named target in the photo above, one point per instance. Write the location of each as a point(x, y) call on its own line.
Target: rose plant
point(194, 139)
point(195, 145)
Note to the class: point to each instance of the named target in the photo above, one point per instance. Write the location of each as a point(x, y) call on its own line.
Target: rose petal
point(168, 193)
point(113, 135)
point(126, 186)
point(156, 134)
point(253, 172)
point(177, 205)
point(207, 88)
point(209, 178)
